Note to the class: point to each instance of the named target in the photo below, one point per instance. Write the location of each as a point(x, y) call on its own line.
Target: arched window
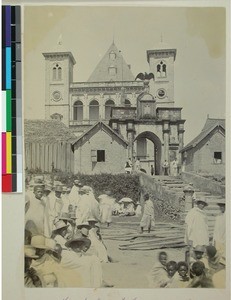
point(57, 72)
point(54, 73)
point(78, 111)
point(161, 69)
point(127, 103)
point(94, 110)
point(164, 70)
point(108, 105)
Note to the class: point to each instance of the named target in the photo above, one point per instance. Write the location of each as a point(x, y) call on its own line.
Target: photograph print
point(124, 139)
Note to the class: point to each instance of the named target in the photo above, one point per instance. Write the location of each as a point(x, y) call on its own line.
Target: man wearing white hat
point(219, 229)
point(197, 232)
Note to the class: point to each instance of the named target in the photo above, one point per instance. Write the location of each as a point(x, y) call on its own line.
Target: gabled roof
point(209, 126)
point(122, 69)
point(47, 131)
point(100, 125)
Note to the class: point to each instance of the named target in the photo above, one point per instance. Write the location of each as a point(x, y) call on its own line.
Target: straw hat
point(92, 219)
point(59, 225)
point(72, 215)
point(84, 225)
point(221, 202)
point(204, 200)
point(41, 242)
point(64, 216)
point(78, 238)
point(48, 187)
point(30, 252)
point(85, 231)
point(59, 188)
point(199, 248)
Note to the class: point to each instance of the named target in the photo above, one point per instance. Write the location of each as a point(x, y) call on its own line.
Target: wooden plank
point(33, 156)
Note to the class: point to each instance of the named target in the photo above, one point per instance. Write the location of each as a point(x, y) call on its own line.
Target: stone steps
point(177, 186)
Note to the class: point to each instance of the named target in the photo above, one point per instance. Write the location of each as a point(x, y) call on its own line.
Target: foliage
point(121, 185)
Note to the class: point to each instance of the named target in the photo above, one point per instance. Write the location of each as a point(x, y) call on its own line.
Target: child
point(200, 278)
point(158, 276)
point(180, 278)
point(214, 260)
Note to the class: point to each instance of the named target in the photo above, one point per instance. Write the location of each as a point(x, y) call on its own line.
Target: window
point(127, 103)
point(112, 55)
point(78, 111)
point(94, 110)
point(217, 157)
point(161, 69)
point(112, 71)
point(108, 105)
point(100, 155)
point(57, 72)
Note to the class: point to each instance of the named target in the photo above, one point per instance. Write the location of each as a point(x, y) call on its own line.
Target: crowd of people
point(63, 243)
point(203, 267)
point(64, 246)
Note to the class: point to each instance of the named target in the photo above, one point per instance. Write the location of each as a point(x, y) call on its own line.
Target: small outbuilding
point(99, 150)
point(206, 152)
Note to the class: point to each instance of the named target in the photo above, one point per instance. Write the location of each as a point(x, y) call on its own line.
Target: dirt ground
point(131, 266)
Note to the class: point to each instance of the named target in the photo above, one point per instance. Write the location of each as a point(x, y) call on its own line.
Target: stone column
point(85, 108)
point(101, 107)
point(166, 131)
point(181, 140)
point(130, 137)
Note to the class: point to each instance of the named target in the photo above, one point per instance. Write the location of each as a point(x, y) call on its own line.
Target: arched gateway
point(147, 147)
point(154, 133)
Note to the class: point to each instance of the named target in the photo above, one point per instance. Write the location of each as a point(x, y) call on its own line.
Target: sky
point(198, 34)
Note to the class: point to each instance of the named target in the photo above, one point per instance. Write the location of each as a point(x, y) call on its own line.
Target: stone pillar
point(101, 107)
point(166, 131)
point(130, 137)
point(181, 135)
point(85, 108)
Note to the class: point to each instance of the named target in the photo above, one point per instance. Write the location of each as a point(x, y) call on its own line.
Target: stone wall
point(160, 192)
point(204, 184)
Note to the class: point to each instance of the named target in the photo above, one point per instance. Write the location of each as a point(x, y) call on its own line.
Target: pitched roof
point(100, 125)
point(122, 69)
point(209, 126)
point(211, 122)
point(47, 131)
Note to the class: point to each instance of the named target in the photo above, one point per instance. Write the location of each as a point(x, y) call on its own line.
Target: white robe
point(74, 196)
point(148, 218)
point(106, 207)
point(219, 233)
point(87, 208)
point(35, 215)
point(196, 227)
point(88, 266)
point(97, 247)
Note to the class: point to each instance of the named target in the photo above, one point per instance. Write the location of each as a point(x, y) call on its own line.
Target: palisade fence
point(43, 155)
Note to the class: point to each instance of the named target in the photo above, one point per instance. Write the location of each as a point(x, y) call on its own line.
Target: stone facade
point(140, 112)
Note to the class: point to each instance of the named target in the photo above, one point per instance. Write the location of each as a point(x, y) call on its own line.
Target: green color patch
point(8, 111)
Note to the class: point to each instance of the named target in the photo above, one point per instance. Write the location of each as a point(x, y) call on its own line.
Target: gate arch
point(157, 149)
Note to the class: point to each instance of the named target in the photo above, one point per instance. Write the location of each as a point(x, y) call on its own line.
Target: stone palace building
point(114, 116)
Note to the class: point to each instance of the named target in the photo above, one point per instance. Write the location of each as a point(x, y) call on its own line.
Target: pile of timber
point(163, 235)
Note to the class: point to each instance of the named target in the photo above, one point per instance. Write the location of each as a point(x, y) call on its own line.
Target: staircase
point(176, 185)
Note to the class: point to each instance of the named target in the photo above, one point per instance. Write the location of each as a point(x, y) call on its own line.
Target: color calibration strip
point(11, 100)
